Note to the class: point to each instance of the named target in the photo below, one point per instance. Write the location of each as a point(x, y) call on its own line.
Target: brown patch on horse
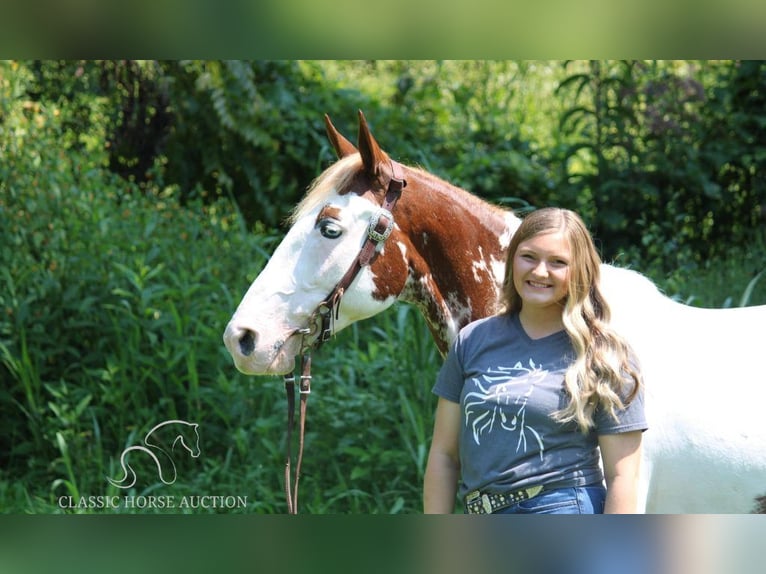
point(328, 211)
point(340, 144)
point(760, 505)
point(440, 249)
point(425, 293)
point(453, 254)
point(390, 270)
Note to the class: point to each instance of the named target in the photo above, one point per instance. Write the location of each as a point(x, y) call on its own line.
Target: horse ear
point(342, 146)
point(371, 153)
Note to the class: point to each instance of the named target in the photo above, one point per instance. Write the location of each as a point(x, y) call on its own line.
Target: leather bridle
point(322, 325)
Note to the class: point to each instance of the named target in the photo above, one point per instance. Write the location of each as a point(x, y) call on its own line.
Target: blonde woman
point(534, 402)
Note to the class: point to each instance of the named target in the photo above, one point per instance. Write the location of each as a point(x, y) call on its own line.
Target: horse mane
point(333, 180)
point(337, 178)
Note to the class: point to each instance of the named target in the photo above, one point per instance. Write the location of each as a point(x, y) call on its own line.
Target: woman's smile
point(541, 269)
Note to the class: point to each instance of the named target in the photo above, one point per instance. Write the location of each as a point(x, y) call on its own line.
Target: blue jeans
point(576, 500)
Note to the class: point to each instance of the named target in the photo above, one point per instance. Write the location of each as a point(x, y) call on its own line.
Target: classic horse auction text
point(151, 502)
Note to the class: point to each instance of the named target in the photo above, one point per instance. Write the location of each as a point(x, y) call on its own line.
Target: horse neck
point(456, 253)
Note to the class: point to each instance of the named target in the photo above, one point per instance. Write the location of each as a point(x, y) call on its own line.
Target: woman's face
point(541, 270)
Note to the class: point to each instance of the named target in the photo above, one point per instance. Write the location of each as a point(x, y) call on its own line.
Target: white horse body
point(705, 450)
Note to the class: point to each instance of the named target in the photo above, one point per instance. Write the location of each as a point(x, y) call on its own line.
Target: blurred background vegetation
point(138, 200)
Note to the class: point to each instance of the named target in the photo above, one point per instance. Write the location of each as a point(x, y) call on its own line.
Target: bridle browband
point(322, 325)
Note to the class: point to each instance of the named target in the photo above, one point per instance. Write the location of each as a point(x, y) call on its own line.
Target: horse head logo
point(155, 445)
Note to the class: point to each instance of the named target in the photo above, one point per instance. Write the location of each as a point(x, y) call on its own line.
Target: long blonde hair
point(604, 363)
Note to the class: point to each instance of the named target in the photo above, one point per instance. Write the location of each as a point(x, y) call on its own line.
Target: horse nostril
point(247, 343)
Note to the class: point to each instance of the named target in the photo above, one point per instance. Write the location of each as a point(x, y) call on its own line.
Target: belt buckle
point(471, 500)
point(473, 497)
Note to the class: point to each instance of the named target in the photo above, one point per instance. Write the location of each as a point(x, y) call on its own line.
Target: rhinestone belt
point(477, 502)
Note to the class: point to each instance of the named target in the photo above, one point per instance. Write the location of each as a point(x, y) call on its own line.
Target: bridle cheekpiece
point(322, 323)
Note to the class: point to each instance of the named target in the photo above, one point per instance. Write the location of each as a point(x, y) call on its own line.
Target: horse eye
point(329, 229)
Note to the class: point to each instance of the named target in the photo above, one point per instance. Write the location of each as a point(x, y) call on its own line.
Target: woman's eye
point(329, 229)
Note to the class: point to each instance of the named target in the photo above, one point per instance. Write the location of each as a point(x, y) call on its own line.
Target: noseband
point(322, 325)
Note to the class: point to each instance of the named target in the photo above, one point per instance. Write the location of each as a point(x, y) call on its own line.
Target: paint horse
point(705, 450)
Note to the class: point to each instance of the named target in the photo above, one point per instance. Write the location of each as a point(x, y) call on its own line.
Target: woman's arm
point(621, 456)
point(443, 467)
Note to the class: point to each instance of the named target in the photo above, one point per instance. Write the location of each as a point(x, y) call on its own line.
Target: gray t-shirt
point(508, 385)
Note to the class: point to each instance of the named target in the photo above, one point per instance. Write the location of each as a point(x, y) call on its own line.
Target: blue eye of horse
point(329, 229)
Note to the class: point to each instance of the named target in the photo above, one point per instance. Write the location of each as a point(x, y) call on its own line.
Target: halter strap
point(380, 227)
point(305, 390)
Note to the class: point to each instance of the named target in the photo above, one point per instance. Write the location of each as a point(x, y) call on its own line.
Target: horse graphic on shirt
point(486, 409)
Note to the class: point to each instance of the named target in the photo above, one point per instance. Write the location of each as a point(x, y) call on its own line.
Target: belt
point(477, 502)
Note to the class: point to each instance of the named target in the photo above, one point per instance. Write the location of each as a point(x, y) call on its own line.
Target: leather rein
point(322, 324)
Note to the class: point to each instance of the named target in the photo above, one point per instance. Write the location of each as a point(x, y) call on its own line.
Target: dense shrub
point(250, 131)
point(106, 321)
point(667, 160)
point(664, 159)
point(479, 125)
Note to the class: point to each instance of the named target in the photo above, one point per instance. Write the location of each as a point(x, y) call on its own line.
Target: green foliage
point(139, 199)
point(736, 278)
point(114, 300)
point(106, 324)
point(248, 131)
point(476, 124)
point(666, 159)
point(251, 131)
point(372, 410)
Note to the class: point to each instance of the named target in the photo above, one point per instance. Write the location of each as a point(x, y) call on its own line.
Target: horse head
point(188, 441)
point(328, 229)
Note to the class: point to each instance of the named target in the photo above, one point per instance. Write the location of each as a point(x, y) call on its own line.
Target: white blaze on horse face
point(305, 267)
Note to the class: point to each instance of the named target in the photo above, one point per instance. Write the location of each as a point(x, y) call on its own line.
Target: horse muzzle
point(256, 354)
